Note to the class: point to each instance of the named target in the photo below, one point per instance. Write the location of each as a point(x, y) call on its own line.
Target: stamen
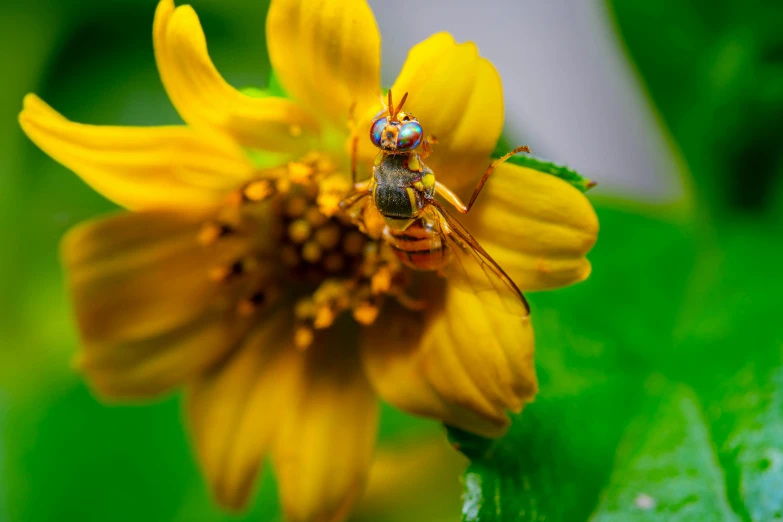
point(303, 337)
point(366, 313)
point(318, 242)
point(213, 231)
point(295, 206)
point(311, 252)
point(295, 131)
point(329, 202)
point(316, 217)
point(334, 262)
point(259, 190)
point(300, 172)
point(248, 306)
point(328, 237)
point(304, 309)
point(283, 185)
point(380, 282)
point(225, 273)
point(299, 231)
point(289, 255)
point(353, 242)
point(324, 318)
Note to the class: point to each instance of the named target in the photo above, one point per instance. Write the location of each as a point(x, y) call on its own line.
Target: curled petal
point(466, 365)
point(140, 167)
point(536, 226)
point(204, 98)
point(234, 410)
point(149, 315)
point(323, 452)
point(458, 98)
point(326, 55)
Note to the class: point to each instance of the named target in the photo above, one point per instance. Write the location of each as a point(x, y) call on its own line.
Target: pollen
point(303, 337)
point(289, 255)
point(353, 243)
point(366, 313)
point(226, 273)
point(324, 318)
point(305, 242)
point(316, 217)
point(213, 231)
point(334, 262)
point(312, 252)
point(328, 237)
point(299, 231)
point(296, 206)
point(300, 172)
point(258, 190)
point(248, 306)
point(329, 202)
point(381, 281)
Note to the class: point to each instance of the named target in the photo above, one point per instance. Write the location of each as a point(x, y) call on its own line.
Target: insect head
point(398, 132)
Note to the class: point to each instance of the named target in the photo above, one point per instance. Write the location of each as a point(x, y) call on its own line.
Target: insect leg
point(354, 158)
point(426, 146)
point(523, 148)
point(353, 198)
point(450, 196)
point(410, 303)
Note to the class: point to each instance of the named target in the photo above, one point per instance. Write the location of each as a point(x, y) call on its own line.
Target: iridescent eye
point(376, 131)
point(409, 136)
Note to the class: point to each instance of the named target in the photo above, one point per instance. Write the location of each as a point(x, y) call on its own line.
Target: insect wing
point(472, 268)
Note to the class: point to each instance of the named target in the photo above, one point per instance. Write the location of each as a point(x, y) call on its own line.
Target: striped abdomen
point(418, 246)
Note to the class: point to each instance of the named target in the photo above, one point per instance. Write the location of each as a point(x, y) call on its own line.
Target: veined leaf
point(706, 443)
point(667, 469)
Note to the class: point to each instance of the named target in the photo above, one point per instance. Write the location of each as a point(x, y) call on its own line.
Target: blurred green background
point(661, 377)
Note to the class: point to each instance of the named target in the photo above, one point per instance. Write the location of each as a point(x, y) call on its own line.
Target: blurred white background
point(570, 92)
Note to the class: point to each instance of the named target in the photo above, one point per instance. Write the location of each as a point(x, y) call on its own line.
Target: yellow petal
point(204, 99)
point(467, 365)
point(536, 226)
point(150, 317)
point(327, 55)
point(140, 167)
point(458, 98)
point(234, 411)
point(323, 452)
point(414, 479)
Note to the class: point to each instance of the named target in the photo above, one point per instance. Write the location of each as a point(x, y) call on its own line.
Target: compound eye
point(376, 131)
point(409, 136)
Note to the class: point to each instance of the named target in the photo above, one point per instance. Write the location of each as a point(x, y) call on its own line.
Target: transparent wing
point(472, 268)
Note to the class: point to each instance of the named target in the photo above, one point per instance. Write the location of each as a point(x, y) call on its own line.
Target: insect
point(419, 229)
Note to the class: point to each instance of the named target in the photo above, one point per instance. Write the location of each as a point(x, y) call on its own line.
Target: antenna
point(392, 112)
point(402, 102)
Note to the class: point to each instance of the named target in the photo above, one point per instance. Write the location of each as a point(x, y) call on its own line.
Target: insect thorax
point(399, 190)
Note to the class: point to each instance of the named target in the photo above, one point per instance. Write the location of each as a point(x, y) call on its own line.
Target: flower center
point(313, 245)
point(299, 244)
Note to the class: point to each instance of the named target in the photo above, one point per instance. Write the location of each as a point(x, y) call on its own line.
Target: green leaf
point(526, 160)
point(255, 92)
point(666, 467)
point(661, 386)
point(564, 173)
point(274, 88)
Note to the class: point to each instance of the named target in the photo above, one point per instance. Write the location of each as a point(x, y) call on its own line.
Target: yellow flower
point(237, 277)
